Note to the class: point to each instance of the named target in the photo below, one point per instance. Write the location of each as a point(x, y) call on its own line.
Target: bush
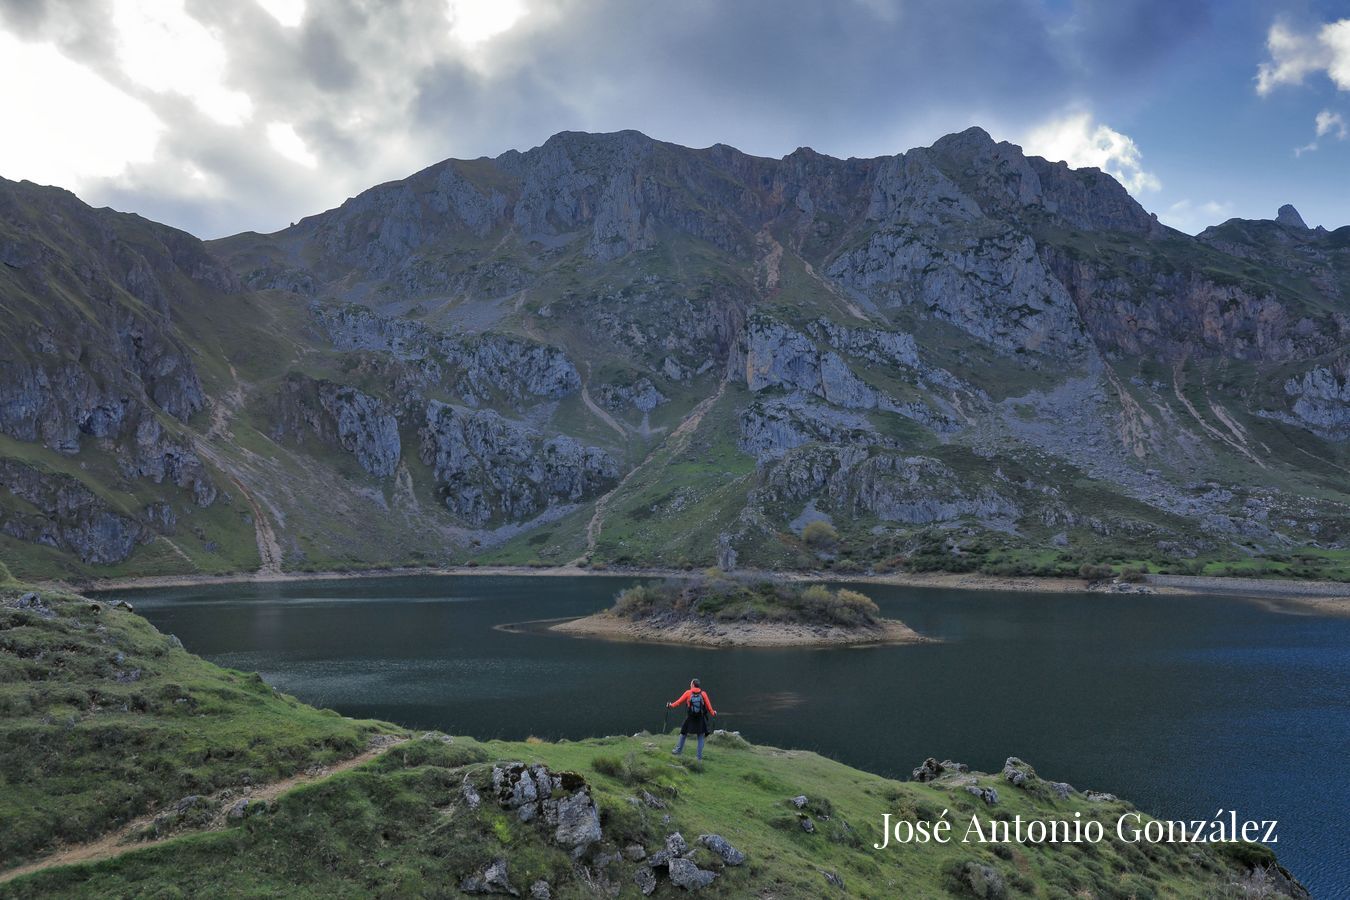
point(1095, 572)
point(820, 535)
point(728, 599)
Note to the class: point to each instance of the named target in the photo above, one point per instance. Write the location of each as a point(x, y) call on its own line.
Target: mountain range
point(611, 350)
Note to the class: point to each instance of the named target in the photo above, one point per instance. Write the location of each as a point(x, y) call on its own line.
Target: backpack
point(696, 704)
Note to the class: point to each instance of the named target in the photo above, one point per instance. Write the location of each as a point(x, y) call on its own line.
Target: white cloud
point(1329, 122)
point(289, 13)
point(284, 139)
point(475, 21)
point(1078, 140)
point(162, 48)
point(1295, 56)
point(1326, 123)
point(78, 127)
point(1190, 217)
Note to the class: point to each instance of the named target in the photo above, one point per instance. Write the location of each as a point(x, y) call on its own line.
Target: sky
point(249, 114)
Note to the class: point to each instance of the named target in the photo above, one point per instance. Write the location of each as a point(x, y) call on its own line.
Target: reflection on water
point(1183, 705)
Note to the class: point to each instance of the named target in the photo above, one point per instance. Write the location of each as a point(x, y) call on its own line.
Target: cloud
point(1080, 141)
point(1329, 122)
point(1295, 55)
point(1326, 123)
point(90, 128)
point(251, 114)
point(1193, 218)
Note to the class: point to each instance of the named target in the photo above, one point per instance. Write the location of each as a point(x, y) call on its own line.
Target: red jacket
point(707, 701)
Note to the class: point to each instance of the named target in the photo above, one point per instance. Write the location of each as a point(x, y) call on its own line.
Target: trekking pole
point(665, 721)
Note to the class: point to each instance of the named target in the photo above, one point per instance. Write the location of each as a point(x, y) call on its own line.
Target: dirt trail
point(675, 443)
point(115, 843)
point(222, 411)
point(595, 408)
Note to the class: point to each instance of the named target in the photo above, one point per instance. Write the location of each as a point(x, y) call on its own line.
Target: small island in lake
point(717, 610)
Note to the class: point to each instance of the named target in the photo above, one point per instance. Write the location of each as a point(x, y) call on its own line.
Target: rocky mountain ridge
point(614, 349)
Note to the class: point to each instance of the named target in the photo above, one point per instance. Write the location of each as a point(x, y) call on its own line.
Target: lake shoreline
point(1314, 597)
point(693, 632)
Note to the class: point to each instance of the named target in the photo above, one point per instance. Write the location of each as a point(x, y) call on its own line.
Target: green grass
point(102, 719)
point(396, 827)
point(75, 763)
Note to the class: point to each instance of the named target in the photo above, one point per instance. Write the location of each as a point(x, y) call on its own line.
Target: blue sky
point(248, 115)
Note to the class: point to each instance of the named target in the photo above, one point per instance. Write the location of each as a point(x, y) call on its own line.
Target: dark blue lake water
point(1184, 705)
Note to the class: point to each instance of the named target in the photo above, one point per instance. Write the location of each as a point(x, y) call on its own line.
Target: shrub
point(1095, 571)
point(820, 535)
point(730, 599)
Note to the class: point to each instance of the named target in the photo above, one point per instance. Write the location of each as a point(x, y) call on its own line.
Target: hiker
point(696, 720)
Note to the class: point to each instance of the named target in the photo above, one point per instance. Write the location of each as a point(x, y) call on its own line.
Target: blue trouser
point(679, 748)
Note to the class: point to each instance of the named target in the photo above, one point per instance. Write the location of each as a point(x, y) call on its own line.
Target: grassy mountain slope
point(75, 764)
point(961, 356)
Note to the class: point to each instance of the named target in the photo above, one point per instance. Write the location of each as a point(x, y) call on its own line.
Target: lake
point(1183, 705)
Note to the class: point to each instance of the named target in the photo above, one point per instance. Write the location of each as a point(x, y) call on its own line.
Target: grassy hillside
point(102, 719)
point(430, 813)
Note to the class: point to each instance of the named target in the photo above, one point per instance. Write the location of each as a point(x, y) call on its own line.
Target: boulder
point(684, 873)
point(676, 844)
point(540, 890)
point(719, 845)
point(578, 821)
point(928, 770)
point(239, 809)
point(1017, 772)
point(645, 879)
point(1061, 789)
point(491, 880)
point(988, 795)
point(807, 825)
point(470, 793)
point(799, 801)
point(833, 879)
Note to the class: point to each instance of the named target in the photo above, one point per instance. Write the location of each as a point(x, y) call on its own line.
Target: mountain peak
point(1289, 217)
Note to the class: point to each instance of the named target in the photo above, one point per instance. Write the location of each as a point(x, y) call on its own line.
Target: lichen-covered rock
point(578, 821)
point(493, 879)
point(686, 874)
point(645, 879)
point(1017, 773)
point(723, 848)
point(988, 795)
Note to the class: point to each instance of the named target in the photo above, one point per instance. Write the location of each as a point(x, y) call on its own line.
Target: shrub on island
point(725, 598)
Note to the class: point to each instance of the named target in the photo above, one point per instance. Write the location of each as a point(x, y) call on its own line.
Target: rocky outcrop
point(1321, 400)
point(641, 395)
point(1289, 218)
point(477, 368)
point(342, 416)
point(59, 511)
point(913, 490)
point(779, 356)
point(490, 467)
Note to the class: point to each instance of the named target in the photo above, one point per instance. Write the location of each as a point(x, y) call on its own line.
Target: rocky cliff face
point(342, 416)
point(490, 467)
point(956, 347)
point(92, 360)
